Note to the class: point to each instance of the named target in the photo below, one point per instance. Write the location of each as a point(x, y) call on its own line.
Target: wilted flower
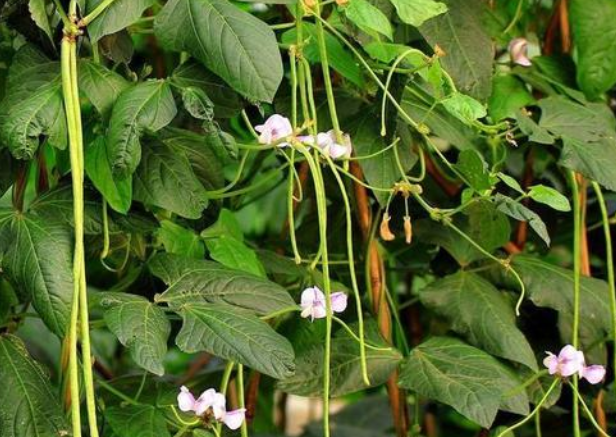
point(518, 50)
point(214, 401)
point(384, 230)
point(313, 303)
point(275, 129)
point(408, 230)
point(326, 141)
point(571, 361)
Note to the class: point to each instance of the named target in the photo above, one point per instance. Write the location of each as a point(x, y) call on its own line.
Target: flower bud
point(408, 230)
point(518, 50)
point(385, 232)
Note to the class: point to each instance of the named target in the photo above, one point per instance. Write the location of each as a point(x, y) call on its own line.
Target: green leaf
point(117, 16)
point(520, 212)
point(474, 383)
point(509, 95)
point(29, 406)
point(381, 170)
point(475, 170)
point(32, 105)
point(180, 241)
point(482, 222)
point(197, 103)
point(137, 421)
point(140, 326)
point(191, 74)
point(416, 12)
point(226, 224)
point(8, 170)
point(595, 160)
point(165, 179)
point(593, 33)
point(235, 254)
point(549, 196)
point(36, 259)
point(117, 192)
point(234, 44)
point(39, 13)
point(510, 182)
point(100, 85)
point(368, 17)
point(339, 58)
point(535, 132)
point(346, 374)
point(481, 313)
point(464, 108)
point(8, 299)
point(235, 334)
point(190, 280)
point(468, 48)
point(148, 106)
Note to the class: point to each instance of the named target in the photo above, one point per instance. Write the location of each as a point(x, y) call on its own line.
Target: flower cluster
point(277, 130)
point(313, 303)
point(212, 402)
point(570, 361)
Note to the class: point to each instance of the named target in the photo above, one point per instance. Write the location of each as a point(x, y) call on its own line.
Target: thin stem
point(605, 219)
point(577, 247)
point(280, 312)
point(224, 383)
point(141, 386)
point(111, 389)
point(240, 392)
point(236, 178)
point(532, 413)
point(105, 251)
point(96, 12)
point(587, 411)
point(348, 329)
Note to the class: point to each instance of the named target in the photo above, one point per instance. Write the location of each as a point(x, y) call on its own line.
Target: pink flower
point(568, 362)
point(275, 129)
point(326, 141)
point(211, 399)
point(518, 50)
point(593, 374)
point(313, 303)
point(571, 361)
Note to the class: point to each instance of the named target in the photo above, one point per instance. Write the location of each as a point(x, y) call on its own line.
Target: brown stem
point(600, 412)
point(565, 30)
point(42, 182)
point(252, 394)
point(19, 188)
point(584, 251)
point(379, 303)
point(511, 248)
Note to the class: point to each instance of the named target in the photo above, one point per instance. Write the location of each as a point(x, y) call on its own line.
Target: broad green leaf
point(8, 299)
point(339, 58)
point(235, 334)
point(551, 286)
point(346, 374)
point(474, 383)
point(509, 95)
point(234, 44)
point(190, 280)
point(235, 254)
point(535, 132)
point(39, 13)
point(388, 52)
point(381, 170)
point(593, 33)
point(140, 326)
point(482, 222)
point(165, 179)
point(137, 421)
point(520, 212)
point(510, 182)
point(416, 12)
point(226, 224)
point(180, 240)
point(193, 75)
point(205, 152)
point(117, 16)
point(197, 103)
point(368, 17)
point(464, 108)
point(468, 48)
point(475, 170)
point(595, 160)
point(481, 313)
point(118, 47)
point(117, 192)
point(8, 170)
point(36, 259)
point(100, 85)
point(148, 106)
point(549, 196)
point(32, 105)
point(29, 406)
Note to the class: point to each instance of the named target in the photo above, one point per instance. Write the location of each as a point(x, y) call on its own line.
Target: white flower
point(275, 129)
point(571, 361)
point(313, 303)
point(518, 50)
point(326, 141)
point(214, 401)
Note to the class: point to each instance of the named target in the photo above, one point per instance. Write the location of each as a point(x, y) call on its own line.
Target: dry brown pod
point(408, 230)
point(385, 232)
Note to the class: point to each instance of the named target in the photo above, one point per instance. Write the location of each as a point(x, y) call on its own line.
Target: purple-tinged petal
point(570, 361)
point(234, 419)
point(339, 302)
point(205, 401)
point(551, 362)
point(593, 374)
point(186, 400)
point(518, 50)
point(274, 129)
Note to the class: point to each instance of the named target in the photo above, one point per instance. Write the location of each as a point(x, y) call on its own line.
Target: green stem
point(240, 391)
point(611, 280)
point(111, 389)
point(348, 329)
point(62, 13)
point(587, 411)
point(96, 12)
point(532, 413)
point(280, 312)
point(577, 248)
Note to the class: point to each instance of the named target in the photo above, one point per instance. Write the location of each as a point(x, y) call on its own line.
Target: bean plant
point(390, 209)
